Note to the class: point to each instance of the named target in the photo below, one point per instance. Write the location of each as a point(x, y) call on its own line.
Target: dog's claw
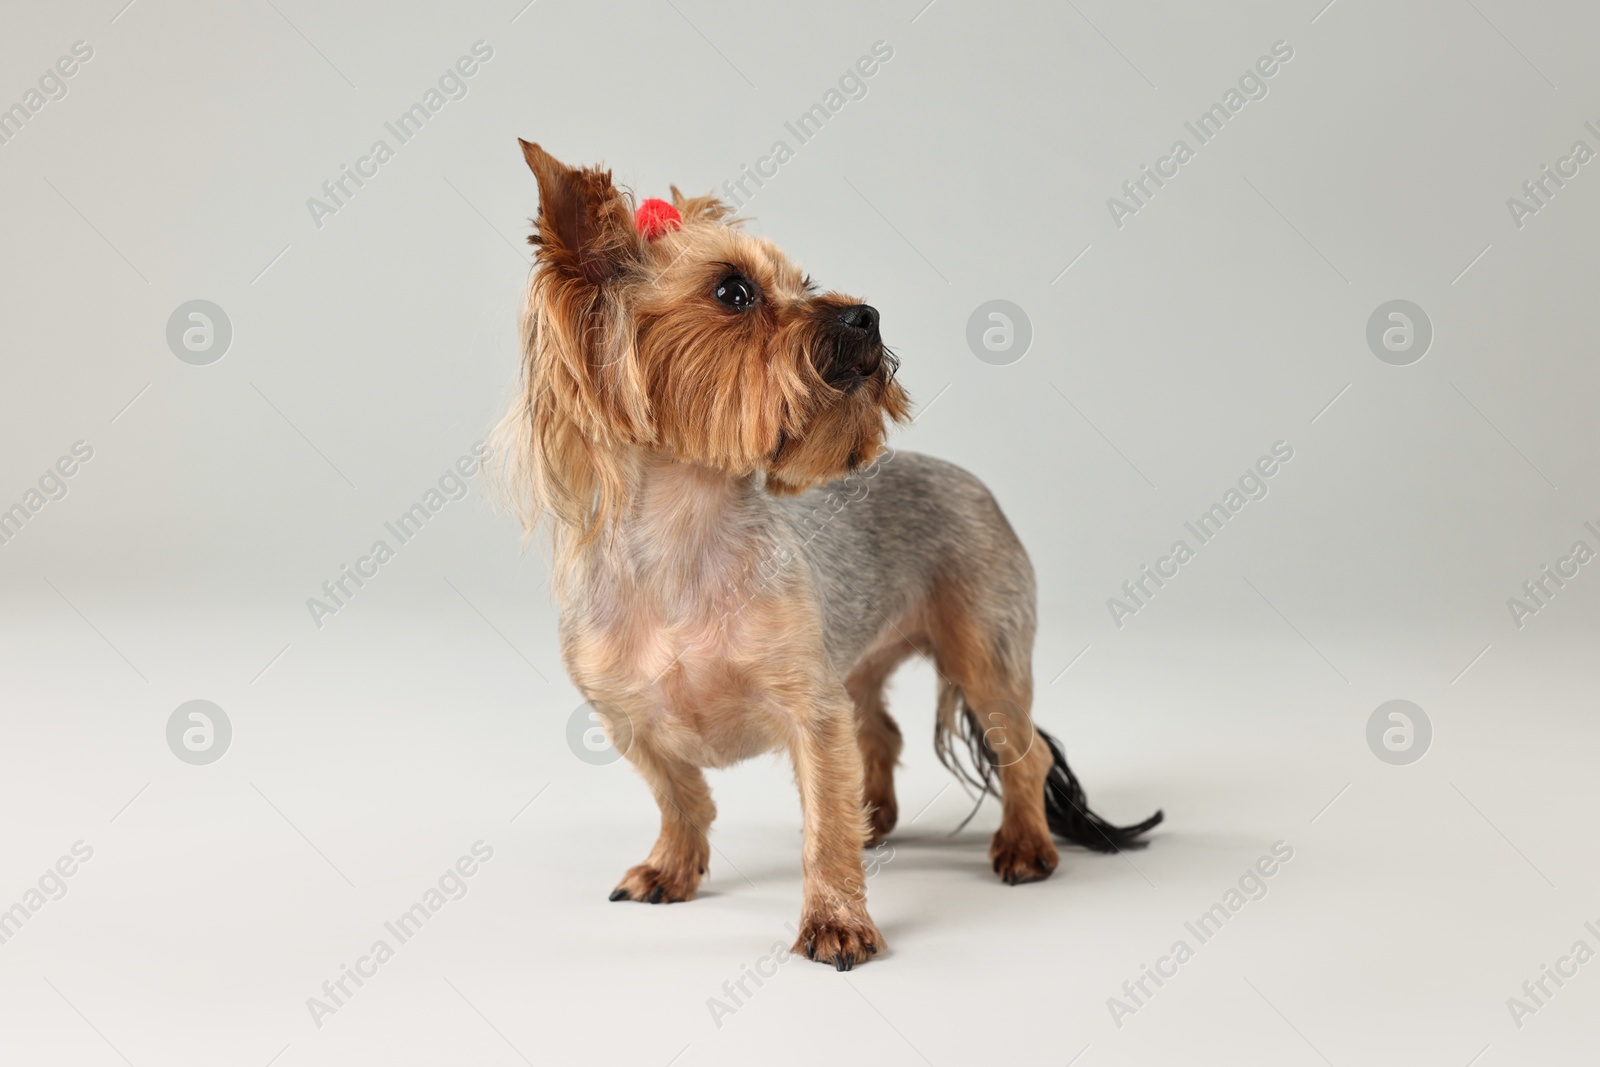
point(1019, 860)
point(652, 884)
point(839, 941)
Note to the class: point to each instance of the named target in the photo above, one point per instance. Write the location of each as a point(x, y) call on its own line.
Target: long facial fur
point(732, 602)
point(624, 351)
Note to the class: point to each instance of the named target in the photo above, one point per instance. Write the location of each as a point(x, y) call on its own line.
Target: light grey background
point(1167, 355)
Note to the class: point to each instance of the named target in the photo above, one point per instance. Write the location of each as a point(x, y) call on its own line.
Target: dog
point(740, 563)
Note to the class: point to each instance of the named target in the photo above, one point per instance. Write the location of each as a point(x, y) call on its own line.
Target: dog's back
point(908, 538)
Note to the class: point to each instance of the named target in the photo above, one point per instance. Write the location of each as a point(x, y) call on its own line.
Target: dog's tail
point(1066, 807)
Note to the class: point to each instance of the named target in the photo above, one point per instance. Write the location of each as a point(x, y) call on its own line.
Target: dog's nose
point(863, 317)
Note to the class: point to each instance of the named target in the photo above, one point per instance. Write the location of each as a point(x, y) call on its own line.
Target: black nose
point(863, 317)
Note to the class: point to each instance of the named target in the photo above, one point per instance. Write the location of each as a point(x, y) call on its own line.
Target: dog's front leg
point(674, 867)
point(834, 925)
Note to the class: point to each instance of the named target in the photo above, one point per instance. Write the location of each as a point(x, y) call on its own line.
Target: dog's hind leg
point(673, 870)
point(880, 742)
point(986, 700)
point(1005, 745)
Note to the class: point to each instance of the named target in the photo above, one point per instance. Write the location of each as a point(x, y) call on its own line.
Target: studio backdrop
point(1270, 326)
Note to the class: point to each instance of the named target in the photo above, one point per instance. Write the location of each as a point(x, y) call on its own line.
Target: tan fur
point(643, 407)
point(624, 358)
point(878, 738)
point(656, 426)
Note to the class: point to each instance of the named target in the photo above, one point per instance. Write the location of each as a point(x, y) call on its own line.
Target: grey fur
point(881, 541)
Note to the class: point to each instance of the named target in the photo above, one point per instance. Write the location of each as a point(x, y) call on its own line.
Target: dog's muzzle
point(854, 351)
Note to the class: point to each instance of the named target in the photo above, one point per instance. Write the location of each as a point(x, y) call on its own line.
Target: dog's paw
point(842, 941)
point(881, 817)
point(1022, 859)
point(656, 885)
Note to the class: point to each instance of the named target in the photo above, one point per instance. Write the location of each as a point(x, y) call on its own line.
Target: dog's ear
point(696, 208)
point(585, 225)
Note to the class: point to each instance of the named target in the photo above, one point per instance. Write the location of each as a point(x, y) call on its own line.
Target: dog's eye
point(736, 292)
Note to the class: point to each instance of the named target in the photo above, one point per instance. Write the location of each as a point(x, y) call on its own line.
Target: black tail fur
point(1066, 807)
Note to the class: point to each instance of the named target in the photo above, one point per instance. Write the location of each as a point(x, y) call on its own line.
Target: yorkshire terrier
point(739, 563)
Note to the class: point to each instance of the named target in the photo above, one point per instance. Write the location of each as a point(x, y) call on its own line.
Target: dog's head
point(673, 330)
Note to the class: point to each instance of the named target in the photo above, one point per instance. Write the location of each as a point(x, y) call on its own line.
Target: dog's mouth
point(850, 382)
point(841, 425)
point(846, 363)
point(846, 366)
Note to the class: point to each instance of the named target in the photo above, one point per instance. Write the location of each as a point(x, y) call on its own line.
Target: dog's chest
point(696, 639)
point(696, 676)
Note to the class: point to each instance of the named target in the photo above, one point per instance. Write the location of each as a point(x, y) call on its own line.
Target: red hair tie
point(656, 217)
